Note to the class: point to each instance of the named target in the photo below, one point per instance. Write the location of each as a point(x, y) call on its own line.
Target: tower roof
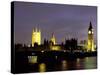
point(35, 29)
point(90, 26)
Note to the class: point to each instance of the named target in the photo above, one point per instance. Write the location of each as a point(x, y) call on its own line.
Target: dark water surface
point(63, 65)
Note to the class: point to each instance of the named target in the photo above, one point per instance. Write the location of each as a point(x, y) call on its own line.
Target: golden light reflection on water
point(78, 60)
point(87, 59)
point(64, 65)
point(78, 64)
point(42, 67)
point(32, 59)
point(89, 62)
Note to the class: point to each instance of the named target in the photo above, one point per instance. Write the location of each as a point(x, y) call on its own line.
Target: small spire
point(53, 34)
point(39, 30)
point(90, 27)
point(36, 29)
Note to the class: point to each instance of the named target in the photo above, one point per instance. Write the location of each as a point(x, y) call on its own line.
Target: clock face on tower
point(89, 32)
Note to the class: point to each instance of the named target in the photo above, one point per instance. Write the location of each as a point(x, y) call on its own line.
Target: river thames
point(64, 65)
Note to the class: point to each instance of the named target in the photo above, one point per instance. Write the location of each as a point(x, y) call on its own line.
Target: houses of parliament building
point(36, 38)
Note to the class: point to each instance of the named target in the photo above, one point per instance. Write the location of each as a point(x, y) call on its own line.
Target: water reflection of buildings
point(42, 67)
point(64, 65)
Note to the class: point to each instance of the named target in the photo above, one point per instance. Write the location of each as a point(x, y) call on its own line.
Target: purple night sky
point(64, 20)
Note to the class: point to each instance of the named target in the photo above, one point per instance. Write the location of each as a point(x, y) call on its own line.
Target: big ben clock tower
point(90, 42)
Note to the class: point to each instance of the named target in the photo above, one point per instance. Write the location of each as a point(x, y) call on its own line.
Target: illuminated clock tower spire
point(90, 42)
